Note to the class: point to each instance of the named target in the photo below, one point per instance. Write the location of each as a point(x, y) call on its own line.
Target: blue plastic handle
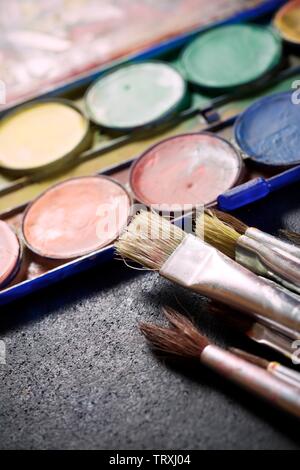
point(284, 179)
point(256, 189)
point(243, 194)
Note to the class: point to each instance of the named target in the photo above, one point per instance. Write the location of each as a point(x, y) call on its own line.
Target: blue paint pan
point(268, 132)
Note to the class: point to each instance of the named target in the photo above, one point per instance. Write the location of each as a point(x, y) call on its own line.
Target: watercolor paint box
point(116, 164)
point(36, 274)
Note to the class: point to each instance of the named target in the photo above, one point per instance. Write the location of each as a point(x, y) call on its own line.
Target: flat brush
point(256, 234)
point(263, 333)
point(261, 253)
point(188, 261)
point(284, 373)
point(184, 339)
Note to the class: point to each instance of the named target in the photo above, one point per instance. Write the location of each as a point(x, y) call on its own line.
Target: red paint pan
point(187, 169)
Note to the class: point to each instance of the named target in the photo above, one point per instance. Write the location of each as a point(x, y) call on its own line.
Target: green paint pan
point(231, 56)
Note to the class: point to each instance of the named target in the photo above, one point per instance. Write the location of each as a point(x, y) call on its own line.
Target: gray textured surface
point(79, 375)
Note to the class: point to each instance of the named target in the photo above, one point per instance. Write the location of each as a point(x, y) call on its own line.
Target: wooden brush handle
point(253, 378)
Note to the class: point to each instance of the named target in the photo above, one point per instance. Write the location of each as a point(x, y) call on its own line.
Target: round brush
point(293, 237)
point(184, 339)
point(261, 253)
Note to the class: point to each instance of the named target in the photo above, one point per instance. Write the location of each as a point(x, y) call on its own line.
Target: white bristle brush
point(186, 260)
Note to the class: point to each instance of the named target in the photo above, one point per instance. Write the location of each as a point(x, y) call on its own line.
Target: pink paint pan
point(187, 169)
point(10, 254)
point(76, 217)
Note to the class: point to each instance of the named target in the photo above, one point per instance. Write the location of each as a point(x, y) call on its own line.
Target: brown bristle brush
point(292, 237)
point(184, 339)
point(261, 253)
point(188, 261)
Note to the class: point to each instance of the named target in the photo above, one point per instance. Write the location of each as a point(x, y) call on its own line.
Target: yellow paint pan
point(43, 135)
point(287, 22)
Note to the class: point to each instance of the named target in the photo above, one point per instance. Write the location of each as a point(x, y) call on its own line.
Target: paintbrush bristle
point(293, 237)
point(149, 240)
point(181, 339)
point(228, 219)
point(217, 233)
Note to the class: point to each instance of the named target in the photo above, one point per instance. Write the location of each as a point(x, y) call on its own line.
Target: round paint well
point(10, 252)
point(135, 96)
point(76, 217)
point(187, 169)
point(231, 56)
point(269, 130)
point(287, 22)
point(41, 135)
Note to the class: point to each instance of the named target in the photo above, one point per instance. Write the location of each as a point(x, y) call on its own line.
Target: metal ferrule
point(203, 269)
point(284, 373)
point(283, 289)
point(264, 260)
point(288, 333)
point(253, 378)
point(273, 242)
point(274, 340)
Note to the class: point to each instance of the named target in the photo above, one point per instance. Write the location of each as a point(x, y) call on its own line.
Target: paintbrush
point(255, 233)
point(260, 331)
point(258, 251)
point(188, 261)
point(291, 236)
point(275, 368)
point(184, 339)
